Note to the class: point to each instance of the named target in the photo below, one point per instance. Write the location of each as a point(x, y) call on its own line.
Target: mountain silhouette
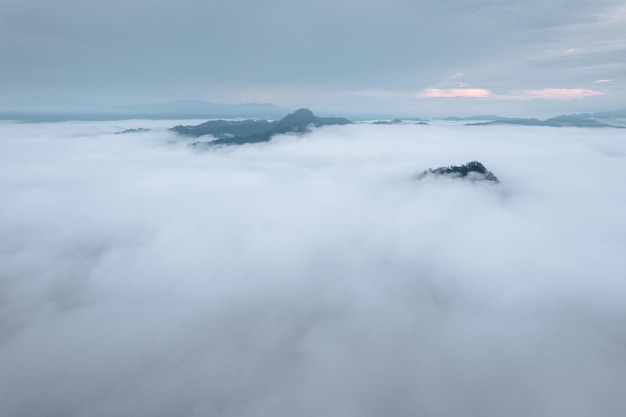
point(232, 132)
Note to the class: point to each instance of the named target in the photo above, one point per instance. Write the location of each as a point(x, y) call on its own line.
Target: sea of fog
point(311, 275)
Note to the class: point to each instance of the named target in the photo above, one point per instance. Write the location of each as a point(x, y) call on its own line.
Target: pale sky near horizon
point(429, 57)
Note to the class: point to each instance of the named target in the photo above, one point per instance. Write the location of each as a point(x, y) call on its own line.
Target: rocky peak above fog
point(474, 170)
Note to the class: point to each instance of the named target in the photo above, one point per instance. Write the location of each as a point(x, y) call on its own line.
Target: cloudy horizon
point(423, 58)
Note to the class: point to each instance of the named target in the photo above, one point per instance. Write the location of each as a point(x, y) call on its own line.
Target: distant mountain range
point(184, 109)
point(614, 119)
point(238, 132)
point(54, 111)
point(399, 122)
point(231, 132)
point(202, 109)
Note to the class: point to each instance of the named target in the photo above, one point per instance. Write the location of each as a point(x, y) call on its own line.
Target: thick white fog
point(311, 276)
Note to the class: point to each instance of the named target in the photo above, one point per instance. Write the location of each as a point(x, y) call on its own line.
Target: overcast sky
point(427, 57)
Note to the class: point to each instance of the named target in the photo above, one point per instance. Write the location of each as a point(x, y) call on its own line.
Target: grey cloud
point(132, 52)
point(311, 275)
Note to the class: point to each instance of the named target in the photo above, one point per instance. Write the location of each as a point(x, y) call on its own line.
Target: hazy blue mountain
point(510, 121)
point(415, 119)
point(474, 170)
point(564, 120)
point(615, 118)
point(615, 114)
point(63, 116)
point(189, 109)
point(232, 132)
point(138, 130)
point(195, 108)
point(576, 121)
point(399, 122)
point(477, 117)
point(389, 122)
point(486, 117)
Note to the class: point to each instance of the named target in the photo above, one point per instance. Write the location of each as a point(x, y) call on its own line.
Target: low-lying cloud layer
point(311, 276)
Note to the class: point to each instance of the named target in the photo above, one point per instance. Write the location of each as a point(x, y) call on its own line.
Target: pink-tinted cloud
point(454, 92)
point(552, 94)
point(542, 94)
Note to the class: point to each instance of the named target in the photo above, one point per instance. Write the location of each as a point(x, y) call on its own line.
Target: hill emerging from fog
point(473, 170)
point(232, 132)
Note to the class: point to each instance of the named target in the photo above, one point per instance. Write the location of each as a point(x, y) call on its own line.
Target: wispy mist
point(311, 276)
